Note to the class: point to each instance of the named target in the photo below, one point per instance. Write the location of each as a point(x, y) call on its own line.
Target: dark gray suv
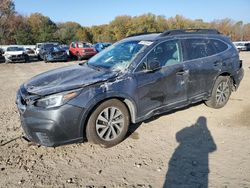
point(128, 82)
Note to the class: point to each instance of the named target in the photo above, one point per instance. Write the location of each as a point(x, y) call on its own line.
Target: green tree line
point(18, 29)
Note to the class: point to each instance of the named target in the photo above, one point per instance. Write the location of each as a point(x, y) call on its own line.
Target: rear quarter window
point(219, 45)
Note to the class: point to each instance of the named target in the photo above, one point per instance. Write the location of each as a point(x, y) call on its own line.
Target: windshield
point(56, 49)
point(118, 56)
point(48, 46)
point(15, 49)
point(83, 45)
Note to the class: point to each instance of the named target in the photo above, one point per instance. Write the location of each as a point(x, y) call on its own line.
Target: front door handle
point(182, 72)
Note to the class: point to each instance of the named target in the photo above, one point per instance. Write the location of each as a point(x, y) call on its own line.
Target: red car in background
point(81, 50)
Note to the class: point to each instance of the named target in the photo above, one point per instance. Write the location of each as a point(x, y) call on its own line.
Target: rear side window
point(199, 48)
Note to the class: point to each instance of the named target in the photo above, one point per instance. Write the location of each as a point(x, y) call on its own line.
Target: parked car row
point(52, 51)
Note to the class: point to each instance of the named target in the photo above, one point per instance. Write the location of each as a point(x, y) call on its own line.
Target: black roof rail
point(189, 31)
point(143, 33)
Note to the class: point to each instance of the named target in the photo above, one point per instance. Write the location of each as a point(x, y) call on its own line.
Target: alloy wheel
point(109, 123)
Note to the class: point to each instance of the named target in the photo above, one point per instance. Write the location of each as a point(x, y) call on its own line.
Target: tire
point(101, 128)
point(39, 58)
point(27, 59)
point(45, 59)
point(78, 57)
point(221, 92)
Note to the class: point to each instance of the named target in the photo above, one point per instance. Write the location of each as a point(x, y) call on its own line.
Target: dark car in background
point(66, 48)
point(133, 80)
point(45, 47)
point(81, 50)
point(101, 46)
point(242, 46)
point(2, 59)
point(55, 53)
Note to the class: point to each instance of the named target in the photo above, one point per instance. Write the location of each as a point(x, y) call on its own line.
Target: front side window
point(119, 56)
point(166, 53)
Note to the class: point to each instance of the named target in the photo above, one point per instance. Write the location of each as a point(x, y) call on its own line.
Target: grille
point(89, 50)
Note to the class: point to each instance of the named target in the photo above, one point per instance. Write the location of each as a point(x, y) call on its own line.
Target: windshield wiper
point(95, 67)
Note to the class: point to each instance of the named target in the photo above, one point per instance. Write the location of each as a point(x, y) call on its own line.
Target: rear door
point(203, 66)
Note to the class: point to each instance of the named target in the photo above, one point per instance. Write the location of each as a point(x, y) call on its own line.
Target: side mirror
point(153, 65)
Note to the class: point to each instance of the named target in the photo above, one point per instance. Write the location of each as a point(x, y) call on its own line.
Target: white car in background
point(16, 54)
point(242, 45)
point(37, 49)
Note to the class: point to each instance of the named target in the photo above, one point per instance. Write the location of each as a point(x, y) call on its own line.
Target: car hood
point(14, 53)
point(66, 78)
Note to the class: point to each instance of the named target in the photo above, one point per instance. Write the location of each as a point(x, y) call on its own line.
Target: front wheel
point(78, 56)
point(220, 93)
point(108, 124)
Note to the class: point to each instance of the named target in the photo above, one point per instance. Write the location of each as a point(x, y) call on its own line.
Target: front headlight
point(57, 99)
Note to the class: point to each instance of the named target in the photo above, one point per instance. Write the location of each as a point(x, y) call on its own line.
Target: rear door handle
point(217, 63)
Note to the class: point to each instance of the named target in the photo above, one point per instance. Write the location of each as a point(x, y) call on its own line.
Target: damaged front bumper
point(50, 127)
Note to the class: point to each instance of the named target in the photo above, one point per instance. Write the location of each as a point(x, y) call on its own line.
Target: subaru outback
point(129, 82)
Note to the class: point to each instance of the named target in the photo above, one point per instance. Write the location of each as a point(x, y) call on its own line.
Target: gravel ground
point(192, 147)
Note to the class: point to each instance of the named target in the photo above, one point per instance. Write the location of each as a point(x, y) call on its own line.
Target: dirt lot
point(193, 147)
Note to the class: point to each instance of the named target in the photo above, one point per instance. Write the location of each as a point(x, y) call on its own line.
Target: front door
point(166, 86)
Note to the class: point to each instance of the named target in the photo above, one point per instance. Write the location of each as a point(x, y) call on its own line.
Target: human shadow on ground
point(189, 164)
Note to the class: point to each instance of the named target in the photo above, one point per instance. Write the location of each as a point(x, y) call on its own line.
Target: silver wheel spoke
point(103, 131)
point(118, 121)
point(112, 113)
point(106, 113)
point(99, 126)
point(118, 113)
point(113, 132)
point(107, 137)
point(102, 119)
point(118, 127)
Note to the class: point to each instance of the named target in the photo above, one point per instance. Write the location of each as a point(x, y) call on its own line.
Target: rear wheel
point(45, 59)
point(108, 124)
point(220, 93)
point(27, 59)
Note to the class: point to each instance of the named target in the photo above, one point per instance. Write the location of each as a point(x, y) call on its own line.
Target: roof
point(171, 33)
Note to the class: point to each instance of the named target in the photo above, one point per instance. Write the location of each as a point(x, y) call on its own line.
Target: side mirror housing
point(153, 65)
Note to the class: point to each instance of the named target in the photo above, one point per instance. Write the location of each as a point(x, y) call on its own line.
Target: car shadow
point(189, 164)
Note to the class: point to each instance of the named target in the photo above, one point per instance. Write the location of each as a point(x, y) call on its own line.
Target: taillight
point(240, 65)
